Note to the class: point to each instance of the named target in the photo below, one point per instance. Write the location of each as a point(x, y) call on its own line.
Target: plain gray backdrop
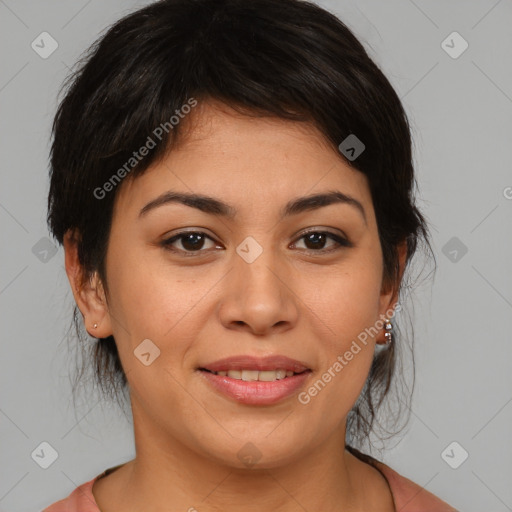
point(460, 107)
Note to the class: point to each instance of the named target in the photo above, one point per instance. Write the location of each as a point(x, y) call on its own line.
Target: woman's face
point(258, 280)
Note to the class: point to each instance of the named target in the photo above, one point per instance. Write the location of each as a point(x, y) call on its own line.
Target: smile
point(251, 386)
point(255, 375)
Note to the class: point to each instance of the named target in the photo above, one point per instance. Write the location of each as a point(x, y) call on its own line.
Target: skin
point(291, 300)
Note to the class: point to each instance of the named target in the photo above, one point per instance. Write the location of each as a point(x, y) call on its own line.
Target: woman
point(232, 185)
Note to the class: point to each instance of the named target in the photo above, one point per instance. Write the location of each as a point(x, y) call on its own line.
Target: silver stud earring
point(95, 325)
point(388, 335)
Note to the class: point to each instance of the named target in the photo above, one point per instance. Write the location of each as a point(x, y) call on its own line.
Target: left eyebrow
point(214, 206)
point(315, 201)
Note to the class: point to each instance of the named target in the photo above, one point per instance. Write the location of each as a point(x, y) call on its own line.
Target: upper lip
point(246, 362)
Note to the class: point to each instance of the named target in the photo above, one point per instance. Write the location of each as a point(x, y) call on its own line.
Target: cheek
point(345, 307)
point(346, 300)
point(153, 301)
point(145, 299)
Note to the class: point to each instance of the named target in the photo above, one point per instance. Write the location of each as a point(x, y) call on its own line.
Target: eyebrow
point(214, 206)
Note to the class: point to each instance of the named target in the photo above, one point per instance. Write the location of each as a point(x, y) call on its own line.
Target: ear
point(389, 298)
point(89, 293)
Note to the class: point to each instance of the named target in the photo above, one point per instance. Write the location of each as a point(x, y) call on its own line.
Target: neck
point(168, 475)
point(182, 480)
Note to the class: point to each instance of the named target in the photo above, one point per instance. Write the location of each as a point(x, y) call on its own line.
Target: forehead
point(246, 160)
point(213, 121)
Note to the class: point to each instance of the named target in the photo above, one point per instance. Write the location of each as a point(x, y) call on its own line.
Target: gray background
point(461, 115)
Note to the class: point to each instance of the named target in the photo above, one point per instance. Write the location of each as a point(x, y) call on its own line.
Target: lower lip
point(256, 392)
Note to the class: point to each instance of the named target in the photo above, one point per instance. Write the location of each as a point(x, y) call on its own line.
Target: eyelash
point(341, 241)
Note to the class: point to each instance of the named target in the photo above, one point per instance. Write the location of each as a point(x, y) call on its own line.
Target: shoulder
point(80, 500)
point(409, 496)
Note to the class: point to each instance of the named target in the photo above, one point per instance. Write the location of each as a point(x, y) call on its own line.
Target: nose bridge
point(258, 295)
point(256, 264)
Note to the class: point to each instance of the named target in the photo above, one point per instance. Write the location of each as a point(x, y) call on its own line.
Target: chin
point(251, 452)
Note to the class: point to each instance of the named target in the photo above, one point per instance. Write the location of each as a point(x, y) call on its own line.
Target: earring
point(95, 325)
point(388, 335)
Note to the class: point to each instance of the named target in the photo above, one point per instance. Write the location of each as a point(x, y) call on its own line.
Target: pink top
point(408, 496)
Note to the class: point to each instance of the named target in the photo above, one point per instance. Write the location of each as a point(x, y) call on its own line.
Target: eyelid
point(320, 229)
point(342, 241)
point(168, 240)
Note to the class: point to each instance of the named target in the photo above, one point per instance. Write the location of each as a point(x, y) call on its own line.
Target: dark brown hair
point(285, 58)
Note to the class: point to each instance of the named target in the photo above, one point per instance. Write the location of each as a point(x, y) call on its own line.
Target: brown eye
point(315, 241)
point(190, 241)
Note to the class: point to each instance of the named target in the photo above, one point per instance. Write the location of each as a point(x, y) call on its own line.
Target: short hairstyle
point(288, 59)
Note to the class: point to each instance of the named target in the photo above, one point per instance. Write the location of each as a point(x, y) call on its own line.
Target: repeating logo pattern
point(453, 55)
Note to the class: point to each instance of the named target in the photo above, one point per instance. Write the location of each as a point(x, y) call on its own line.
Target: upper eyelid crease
point(341, 240)
point(213, 206)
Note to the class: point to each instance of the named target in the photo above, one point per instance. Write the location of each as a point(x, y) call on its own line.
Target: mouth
point(256, 375)
point(247, 363)
point(256, 381)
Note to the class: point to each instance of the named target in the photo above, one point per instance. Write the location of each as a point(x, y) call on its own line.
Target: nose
point(258, 297)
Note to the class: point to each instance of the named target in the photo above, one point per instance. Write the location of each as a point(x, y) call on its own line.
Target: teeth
point(249, 375)
point(252, 375)
point(270, 375)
